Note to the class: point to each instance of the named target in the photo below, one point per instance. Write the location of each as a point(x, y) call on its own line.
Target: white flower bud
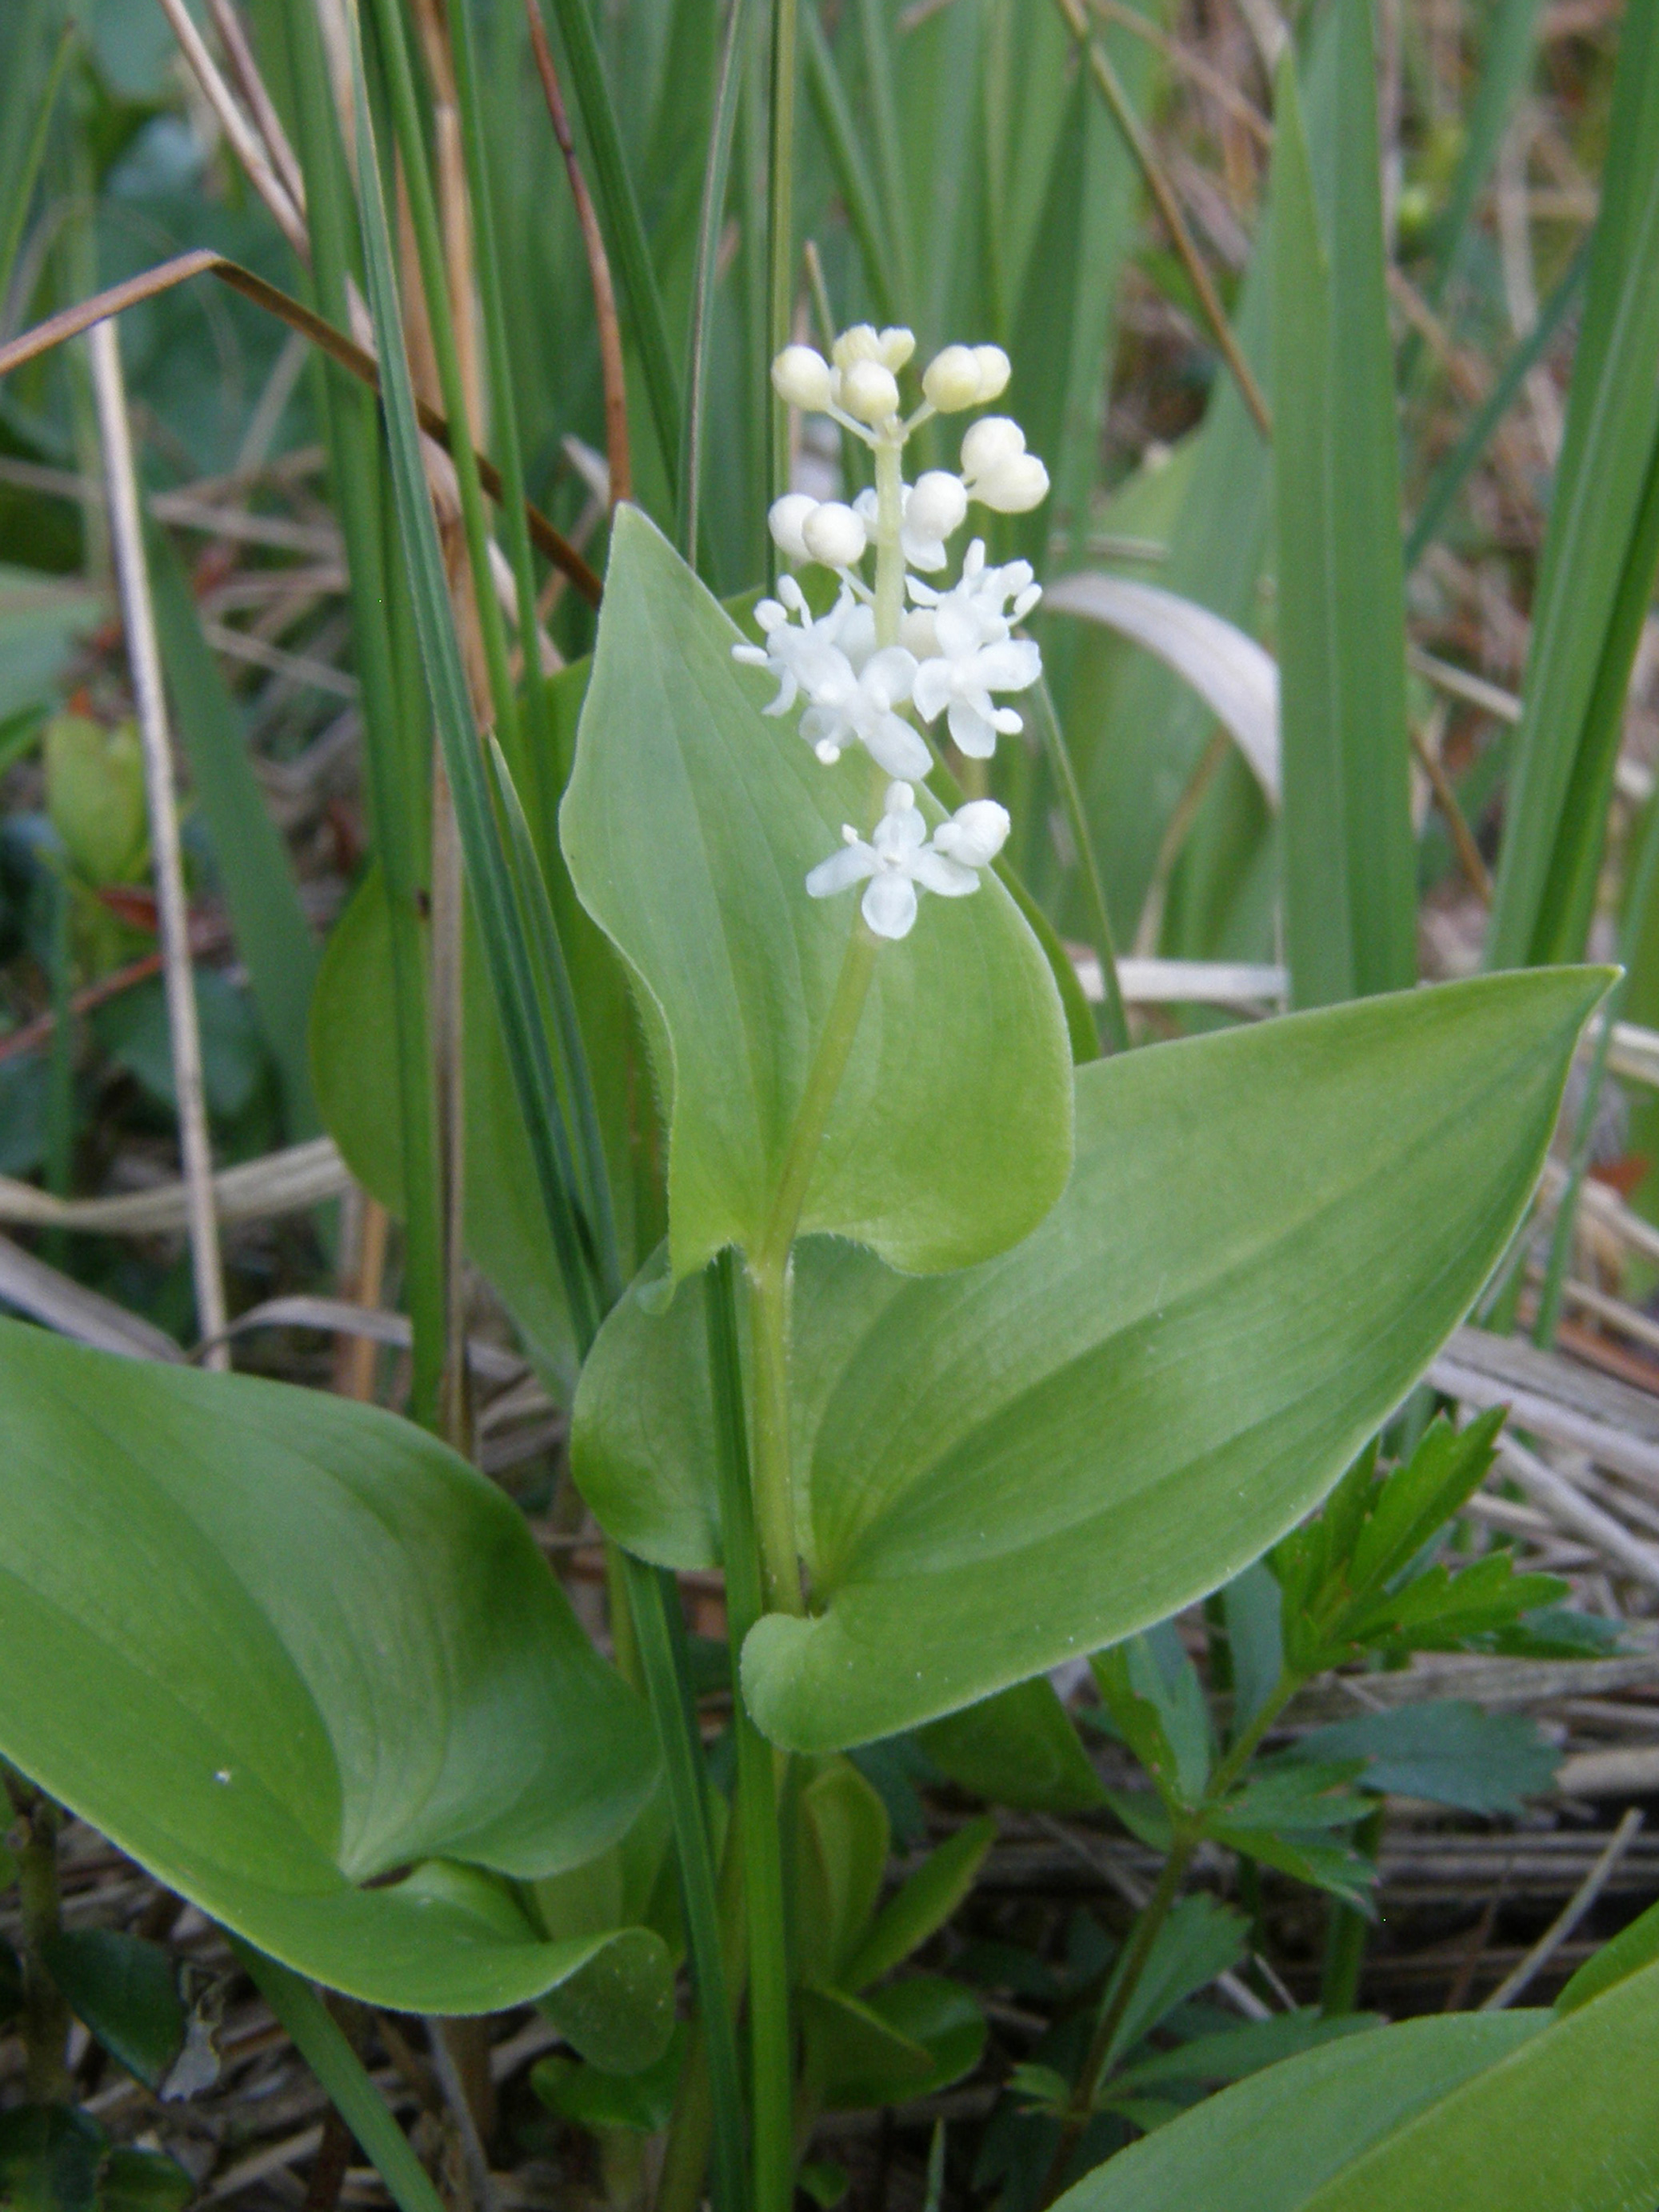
point(869, 392)
point(1019, 484)
point(918, 633)
point(861, 343)
point(975, 834)
point(834, 535)
point(994, 370)
point(800, 376)
point(786, 520)
point(990, 443)
point(895, 346)
point(938, 505)
point(952, 380)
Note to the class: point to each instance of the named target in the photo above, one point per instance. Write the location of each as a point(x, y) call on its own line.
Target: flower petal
point(889, 904)
point(850, 865)
point(935, 873)
point(957, 623)
point(887, 676)
point(971, 730)
point(932, 689)
point(897, 747)
point(1014, 667)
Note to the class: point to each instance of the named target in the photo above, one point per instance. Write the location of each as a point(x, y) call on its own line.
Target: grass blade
point(396, 741)
point(852, 171)
point(318, 2037)
point(270, 928)
point(716, 174)
point(1350, 891)
point(20, 171)
point(505, 953)
point(1553, 835)
point(624, 229)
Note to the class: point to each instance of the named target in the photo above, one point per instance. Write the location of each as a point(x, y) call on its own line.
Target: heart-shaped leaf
point(1267, 1234)
point(277, 1645)
point(690, 825)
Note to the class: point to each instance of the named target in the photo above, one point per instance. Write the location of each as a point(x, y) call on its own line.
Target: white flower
point(868, 390)
point(802, 655)
point(973, 651)
point(934, 506)
point(800, 377)
point(892, 348)
point(853, 702)
point(851, 690)
point(965, 376)
point(834, 534)
point(896, 858)
point(975, 834)
point(997, 469)
point(786, 518)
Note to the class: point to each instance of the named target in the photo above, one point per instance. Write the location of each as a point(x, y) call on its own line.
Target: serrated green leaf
point(1447, 1751)
point(1201, 1939)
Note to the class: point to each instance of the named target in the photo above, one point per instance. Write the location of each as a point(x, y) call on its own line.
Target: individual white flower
point(868, 390)
point(986, 591)
point(997, 471)
point(892, 347)
point(933, 508)
point(894, 858)
point(800, 376)
point(975, 654)
point(975, 834)
point(853, 702)
point(803, 655)
point(965, 376)
point(786, 520)
point(834, 534)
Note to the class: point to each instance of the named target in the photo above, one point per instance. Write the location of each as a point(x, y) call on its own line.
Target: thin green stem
point(45, 2010)
point(760, 1770)
point(685, 2160)
point(773, 1470)
point(715, 178)
point(823, 1080)
point(1111, 1022)
point(1345, 1934)
point(1188, 1833)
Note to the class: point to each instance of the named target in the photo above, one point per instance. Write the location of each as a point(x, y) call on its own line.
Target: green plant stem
point(1346, 1933)
point(1149, 1925)
point(774, 1472)
point(1111, 1023)
point(762, 1774)
point(45, 2011)
point(685, 2160)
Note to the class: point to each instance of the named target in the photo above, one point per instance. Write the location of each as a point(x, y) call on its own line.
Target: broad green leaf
point(907, 2041)
point(690, 825)
point(1447, 1751)
point(1571, 2118)
point(923, 1904)
point(1267, 2144)
point(296, 1646)
point(123, 1988)
point(1267, 1235)
point(1016, 1748)
point(1633, 1948)
point(1234, 2053)
point(1598, 558)
point(640, 2103)
point(1350, 867)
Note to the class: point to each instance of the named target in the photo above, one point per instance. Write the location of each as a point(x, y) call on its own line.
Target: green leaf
point(1235, 2053)
point(1252, 1609)
point(298, 1645)
point(1016, 1748)
point(49, 2159)
point(1447, 1751)
point(1152, 1691)
point(144, 2181)
point(923, 1904)
point(1297, 1795)
point(690, 825)
point(1350, 867)
point(1418, 1500)
point(1597, 566)
point(123, 1988)
point(1201, 1939)
point(1310, 1857)
point(1016, 1465)
point(907, 2041)
point(1267, 2144)
point(1633, 1948)
point(940, 2015)
point(641, 2103)
point(843, 1841)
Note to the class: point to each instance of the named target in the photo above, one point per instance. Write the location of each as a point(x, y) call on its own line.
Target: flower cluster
point(905, 652)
